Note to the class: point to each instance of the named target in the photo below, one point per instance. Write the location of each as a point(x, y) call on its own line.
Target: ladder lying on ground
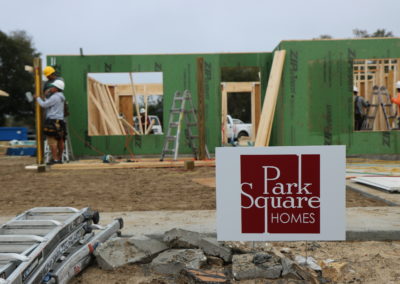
point(178, 113)
point(49, 244)
point(380, 94)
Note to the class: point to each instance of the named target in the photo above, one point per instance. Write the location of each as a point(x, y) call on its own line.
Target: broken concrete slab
point(211, 246)
point(174, 260)
point(117, 252)
point(179, 238)
point(197, 276)
point(253, 266)
point(150, 247)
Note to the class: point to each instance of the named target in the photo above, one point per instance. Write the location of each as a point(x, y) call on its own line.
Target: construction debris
point(173, 261)
point(196, 258)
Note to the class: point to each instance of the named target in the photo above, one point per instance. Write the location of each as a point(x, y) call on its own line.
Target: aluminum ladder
point(33, 241)
point(379, 93)
point(178, 113)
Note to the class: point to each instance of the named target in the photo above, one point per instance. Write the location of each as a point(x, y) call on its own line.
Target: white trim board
point(391, 184)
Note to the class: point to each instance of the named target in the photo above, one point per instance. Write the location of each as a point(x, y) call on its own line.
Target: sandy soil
point(171, 189)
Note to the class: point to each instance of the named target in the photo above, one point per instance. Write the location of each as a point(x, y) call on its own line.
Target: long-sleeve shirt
point(396, 100)
point(54, 105)
point(360, 105)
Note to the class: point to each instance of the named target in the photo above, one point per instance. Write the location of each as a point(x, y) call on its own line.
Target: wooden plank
point(136, 102)
point(238, 87)
point(255, 109)
point(114, 110)
point(98, 119)
point(132, 165)
point(108, 113)
point(126, 108)
point(224, 113)
point(268, 110)
point(201, 108)
point(140, 89)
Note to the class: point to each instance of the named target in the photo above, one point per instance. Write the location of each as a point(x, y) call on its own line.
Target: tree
point(16, 51)
point(378, 33)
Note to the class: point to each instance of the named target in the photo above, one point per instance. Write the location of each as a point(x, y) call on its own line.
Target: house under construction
point(314, 103)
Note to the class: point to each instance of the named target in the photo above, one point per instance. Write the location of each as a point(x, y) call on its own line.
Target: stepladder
point(182, 115)
point(381, 114)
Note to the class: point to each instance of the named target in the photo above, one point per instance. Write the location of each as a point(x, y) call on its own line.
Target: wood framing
point(268, 110)
point(240, 87)
point(368, 73)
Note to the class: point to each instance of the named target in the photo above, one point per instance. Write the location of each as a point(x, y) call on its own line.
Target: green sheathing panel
point(315, 105)
point(179, 73)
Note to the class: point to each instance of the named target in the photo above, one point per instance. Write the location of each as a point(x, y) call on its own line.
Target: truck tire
point(241, 134)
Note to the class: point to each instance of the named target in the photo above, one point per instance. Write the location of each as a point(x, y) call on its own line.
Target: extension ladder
point(178, 113)
point(32, 243)
point(379, 93)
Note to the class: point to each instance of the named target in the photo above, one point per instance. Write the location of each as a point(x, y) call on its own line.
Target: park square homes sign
point(281, 193)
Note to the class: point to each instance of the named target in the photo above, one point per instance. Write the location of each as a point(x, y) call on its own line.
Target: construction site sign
point(281, 193)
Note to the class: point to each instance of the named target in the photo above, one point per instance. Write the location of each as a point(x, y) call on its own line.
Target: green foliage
point(16, 51)
point(378, 33)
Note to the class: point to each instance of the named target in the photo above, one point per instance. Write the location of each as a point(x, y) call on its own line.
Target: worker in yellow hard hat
point(51, 76)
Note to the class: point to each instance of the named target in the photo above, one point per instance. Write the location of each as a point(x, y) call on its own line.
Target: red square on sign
point(280, 194)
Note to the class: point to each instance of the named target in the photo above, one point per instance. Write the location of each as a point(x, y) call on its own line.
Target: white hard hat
point(59, 84)
point(398, 85)
point(142, 110)
point(355, 89)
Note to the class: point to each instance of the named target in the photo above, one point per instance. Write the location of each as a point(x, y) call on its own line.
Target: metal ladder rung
point(29, 231)
point(21, 238)
point(58, 217)
point(13, 257)
point(40, 223)
point(16, 247)
point(53, 210)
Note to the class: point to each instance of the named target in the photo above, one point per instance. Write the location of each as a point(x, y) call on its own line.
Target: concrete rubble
point(191, 257)
point(174, 260)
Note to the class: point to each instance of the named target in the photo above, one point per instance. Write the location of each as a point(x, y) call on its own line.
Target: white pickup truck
point(237, 128)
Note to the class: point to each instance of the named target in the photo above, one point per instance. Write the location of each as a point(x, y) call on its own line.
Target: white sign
point(281, 193)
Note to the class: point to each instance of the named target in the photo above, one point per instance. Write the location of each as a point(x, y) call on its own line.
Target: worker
point(51, 76)
point(145, 122)
point(397, 101)
point(360, 109)
point(54, 126)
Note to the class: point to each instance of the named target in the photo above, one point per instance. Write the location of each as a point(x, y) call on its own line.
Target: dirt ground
point(171, 189)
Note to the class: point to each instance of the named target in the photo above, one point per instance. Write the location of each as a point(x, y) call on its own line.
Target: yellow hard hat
point(48, 70)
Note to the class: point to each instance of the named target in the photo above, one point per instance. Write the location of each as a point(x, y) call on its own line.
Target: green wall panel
point(179, 73)
point(315, 105)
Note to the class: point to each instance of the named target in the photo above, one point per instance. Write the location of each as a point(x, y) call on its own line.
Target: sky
point(189, 26)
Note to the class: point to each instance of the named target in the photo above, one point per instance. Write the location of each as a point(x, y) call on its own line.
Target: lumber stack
point(271, 95)
point(103, 114)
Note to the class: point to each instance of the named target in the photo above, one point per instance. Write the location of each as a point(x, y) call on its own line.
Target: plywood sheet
point(391, 184)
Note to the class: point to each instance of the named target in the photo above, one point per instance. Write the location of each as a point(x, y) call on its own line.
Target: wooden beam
point(255, 109)
point(136, 102)
point(140, 89)
point(126, 108)
point(132, 165)
point(238, 87)
point(224, 113)
point(201, 108)
point(271, 95)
